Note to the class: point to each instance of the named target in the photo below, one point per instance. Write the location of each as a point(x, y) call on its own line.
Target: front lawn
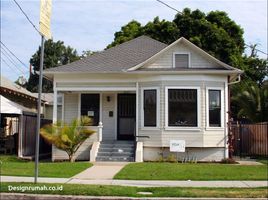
point(102, 190)
point(179, 171)
point(11, 166)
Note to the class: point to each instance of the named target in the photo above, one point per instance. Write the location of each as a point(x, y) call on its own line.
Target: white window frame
point(207, 108)
point(157, 108)
point(180, 53)
point(195, 128)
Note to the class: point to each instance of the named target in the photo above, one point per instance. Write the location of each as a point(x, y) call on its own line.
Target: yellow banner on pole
point(45, 14)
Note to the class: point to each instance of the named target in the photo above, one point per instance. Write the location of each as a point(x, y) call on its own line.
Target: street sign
point(45, 15)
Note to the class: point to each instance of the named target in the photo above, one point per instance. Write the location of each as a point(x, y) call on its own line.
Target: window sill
point(173, 128)
point(150, 128)
point(214, 128)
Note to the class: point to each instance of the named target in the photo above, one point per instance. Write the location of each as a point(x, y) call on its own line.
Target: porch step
point(115, 159)
point(116, 151)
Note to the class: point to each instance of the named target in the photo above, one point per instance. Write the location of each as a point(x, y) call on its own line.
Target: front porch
point(114, 113)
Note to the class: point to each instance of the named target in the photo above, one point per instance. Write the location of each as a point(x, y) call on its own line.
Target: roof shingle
point(115, 59)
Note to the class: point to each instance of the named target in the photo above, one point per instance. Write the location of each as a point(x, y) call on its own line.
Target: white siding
point(70, 107)
point(196, 60)
point(109, 132)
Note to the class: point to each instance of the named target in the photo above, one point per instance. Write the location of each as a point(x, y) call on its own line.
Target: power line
point(181, 13)
point(13, 54)
point(10, 66)
point(10, 60)
point(169, 6)
point(26, 16)
point(256, 49)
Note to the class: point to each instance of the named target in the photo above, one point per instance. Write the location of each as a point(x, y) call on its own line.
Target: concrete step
point(115, 158)
point(116, 145)
point(115, 154)
point(117, 142)
point(116, 151)
point(101, 149)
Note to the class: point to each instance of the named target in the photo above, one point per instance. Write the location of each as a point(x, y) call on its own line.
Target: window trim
point(157, 108)
point(194, 128)
point(207, 108)
point(181, 53)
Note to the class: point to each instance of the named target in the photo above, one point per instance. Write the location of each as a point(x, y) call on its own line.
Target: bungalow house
point(143, 94)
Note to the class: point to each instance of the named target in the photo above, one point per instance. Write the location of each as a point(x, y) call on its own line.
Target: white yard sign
point(177, 145)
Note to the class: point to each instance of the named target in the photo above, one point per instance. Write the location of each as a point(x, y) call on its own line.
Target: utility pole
point(45, 13)
point(37, 139)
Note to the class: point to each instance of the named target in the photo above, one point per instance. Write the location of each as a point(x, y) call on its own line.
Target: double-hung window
point(214, 107)
point(150, 113)
point(90, 106)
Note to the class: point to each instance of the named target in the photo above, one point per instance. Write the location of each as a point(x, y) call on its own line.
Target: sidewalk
point(101, 171)
point(142, 183)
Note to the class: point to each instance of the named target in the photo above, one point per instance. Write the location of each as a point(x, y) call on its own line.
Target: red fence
point(250, 139)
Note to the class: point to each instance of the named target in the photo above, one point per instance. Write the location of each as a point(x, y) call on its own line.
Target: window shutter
point(181, 61)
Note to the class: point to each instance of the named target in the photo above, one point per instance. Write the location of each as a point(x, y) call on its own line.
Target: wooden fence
point(29, 135)
point(250, 139)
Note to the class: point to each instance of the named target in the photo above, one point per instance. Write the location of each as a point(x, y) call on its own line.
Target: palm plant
point(253, 102)
point(67, 137)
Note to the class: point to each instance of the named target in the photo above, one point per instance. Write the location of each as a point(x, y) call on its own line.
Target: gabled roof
point(116, 59)
point(189, 44)
point(131, 56)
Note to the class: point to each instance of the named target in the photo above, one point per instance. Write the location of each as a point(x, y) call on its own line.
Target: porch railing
point(100, 127)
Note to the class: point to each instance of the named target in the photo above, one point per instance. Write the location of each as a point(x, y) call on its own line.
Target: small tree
point(67, 137)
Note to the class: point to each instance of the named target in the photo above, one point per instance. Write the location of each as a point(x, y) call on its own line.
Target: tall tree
point(255, 68)
point(214, 32)
point(55, 54)
point(131, 30)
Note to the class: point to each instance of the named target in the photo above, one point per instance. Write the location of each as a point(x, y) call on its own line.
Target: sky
point(91, 24)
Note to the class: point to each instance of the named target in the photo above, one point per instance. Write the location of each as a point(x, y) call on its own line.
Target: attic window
point(181, 60)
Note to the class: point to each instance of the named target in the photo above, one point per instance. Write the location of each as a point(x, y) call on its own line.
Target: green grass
point(263, 160)
point(11, 166)
point(98, 190)
point(178, 171)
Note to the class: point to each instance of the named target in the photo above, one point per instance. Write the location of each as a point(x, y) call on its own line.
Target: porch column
point(137, 110)
point(55, 106)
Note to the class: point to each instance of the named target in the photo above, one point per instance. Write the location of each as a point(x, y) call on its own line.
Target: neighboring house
point(18, 119)
point(150, 93)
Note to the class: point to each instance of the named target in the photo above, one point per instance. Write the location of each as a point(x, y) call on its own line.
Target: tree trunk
point(71, 158)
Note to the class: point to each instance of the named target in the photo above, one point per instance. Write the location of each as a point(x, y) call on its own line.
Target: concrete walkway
point(141, 183)
point(101, 171)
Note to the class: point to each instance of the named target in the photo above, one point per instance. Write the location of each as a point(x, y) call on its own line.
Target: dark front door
point(126, 120)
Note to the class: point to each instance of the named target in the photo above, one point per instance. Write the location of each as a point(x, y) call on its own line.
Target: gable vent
point(181, 60)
